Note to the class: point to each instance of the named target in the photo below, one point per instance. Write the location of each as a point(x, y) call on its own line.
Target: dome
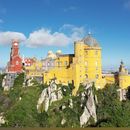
point(51, 55)
point(50, 52)
point(59, 52)
point(89, 40)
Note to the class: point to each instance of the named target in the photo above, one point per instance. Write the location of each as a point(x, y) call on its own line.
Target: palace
point(84, 66)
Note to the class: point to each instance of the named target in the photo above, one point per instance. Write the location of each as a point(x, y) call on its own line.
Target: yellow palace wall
point(85, 65)
point(124, 81)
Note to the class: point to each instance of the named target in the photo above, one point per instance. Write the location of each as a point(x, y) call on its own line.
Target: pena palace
point(85, 65)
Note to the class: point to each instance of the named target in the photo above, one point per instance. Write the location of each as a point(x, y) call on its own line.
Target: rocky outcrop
point(2, 119)
point(8, 81)
point(63, 121)
point(122, 94)
point(48, 96)
point(90, 107)
point(87, 98)
point(28, 82)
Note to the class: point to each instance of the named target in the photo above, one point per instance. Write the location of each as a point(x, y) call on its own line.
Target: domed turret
point(50, 52)
point(89, 40)
point(59, 52)
point(51, 55)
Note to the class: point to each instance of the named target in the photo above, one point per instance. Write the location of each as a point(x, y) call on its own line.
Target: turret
point(122, 69)
point(15, 63)
point(123, 76)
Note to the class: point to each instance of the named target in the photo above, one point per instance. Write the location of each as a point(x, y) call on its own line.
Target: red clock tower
point(15, 63)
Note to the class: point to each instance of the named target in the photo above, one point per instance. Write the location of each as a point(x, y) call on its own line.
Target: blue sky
point(44, 25)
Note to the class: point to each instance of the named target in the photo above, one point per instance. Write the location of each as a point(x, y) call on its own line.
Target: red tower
point(15, 63)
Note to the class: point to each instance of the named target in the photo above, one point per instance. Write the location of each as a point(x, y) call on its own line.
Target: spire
point(122, 68)
point(122, 63)
point(89, 33)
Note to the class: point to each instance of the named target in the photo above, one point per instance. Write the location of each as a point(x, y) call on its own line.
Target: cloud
point(45, 37)
point(71, 8)
point(127, 4)
point(75, 33)
point(7, 37)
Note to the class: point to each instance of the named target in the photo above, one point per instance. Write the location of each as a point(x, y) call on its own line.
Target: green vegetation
point(19, 106)
point(23, 112)
point(1, 78)
point(5, 101)
point(110, 111)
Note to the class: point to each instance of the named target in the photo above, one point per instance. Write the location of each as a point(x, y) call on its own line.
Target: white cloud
point(7, 37)
point(127, 4)
point(44, 37)
point(75, 33)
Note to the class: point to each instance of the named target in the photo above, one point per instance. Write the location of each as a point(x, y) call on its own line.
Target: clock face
point(15, 43)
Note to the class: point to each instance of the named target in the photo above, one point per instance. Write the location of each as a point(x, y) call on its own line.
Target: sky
point(43, 25)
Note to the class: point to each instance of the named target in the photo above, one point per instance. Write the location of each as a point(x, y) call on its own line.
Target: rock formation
point(8, 81)
point(49, 95)
point(2, 119)
point(52, 93)
point(90, 107)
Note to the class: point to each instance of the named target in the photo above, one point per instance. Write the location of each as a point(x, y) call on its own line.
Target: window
point(86, 76)
point(86, 63)
point(58, 63)
point(17, 62)
point(48, 64)
point(65, 63)
point(97, 76)
point(96, 63)
point(96, 52)
point(52, 64)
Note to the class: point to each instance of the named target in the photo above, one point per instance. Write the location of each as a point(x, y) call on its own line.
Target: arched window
point(96, 52)
point(86, 63)
point(86, 76)
point(96, 63)
point(66, 63)
point(17, 62)
point(97, 76)
point(48, 64)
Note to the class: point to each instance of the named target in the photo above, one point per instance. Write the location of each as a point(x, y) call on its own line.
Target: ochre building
point(84, 66)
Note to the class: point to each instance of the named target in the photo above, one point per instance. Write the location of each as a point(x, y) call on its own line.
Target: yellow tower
point(78, 65)
point(124, 78)
point(88, 64)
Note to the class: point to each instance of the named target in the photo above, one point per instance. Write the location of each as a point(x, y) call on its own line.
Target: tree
point(110, 111)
